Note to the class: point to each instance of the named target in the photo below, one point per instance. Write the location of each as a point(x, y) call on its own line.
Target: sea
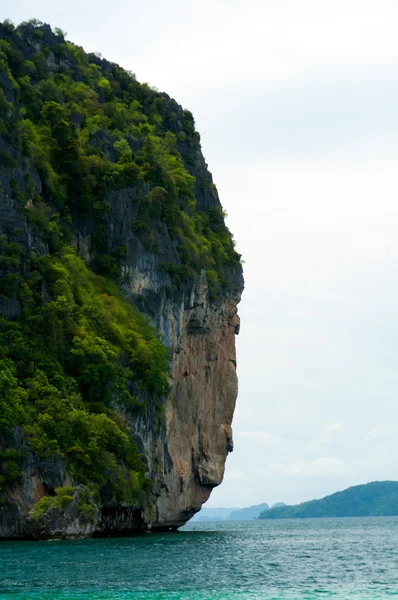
point(306, 559)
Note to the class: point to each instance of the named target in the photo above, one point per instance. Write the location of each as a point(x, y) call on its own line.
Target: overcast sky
point(296, 103)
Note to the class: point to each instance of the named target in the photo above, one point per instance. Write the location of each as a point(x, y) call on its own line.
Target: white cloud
point(312, 468)
point(282, 44)
point(332, 431)
point(235, 475)
point(376, 432)
point(260, 436)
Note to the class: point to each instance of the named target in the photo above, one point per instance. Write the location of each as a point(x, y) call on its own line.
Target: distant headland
point(375, 499)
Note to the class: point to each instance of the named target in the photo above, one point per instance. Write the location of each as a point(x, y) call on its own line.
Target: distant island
point(376, 499)
point(233, 514)
point(248, 514)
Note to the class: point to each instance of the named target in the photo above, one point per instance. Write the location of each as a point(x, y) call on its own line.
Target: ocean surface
point(340, 559)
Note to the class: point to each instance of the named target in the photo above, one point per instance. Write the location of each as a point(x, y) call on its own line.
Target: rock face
point(199, 412)
point(185, 451)
point(196, 438)
point(186, 455)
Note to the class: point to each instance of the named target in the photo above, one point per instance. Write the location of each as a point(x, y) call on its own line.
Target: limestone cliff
point(176, 265)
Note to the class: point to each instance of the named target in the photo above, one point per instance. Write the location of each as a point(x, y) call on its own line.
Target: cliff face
point(196, 435)
point(182, 439)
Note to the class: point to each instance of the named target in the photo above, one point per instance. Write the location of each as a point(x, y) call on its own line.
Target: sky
point(296, 103)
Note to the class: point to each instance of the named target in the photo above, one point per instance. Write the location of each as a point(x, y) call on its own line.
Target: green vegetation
point(89, 128)
point(63, 497)
point(66, 364)
point(376, 499)
point(87, 501)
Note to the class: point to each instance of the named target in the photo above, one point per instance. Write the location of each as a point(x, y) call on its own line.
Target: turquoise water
point(339, 559)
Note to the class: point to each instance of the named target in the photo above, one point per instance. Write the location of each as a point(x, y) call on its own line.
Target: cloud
point(331, 431)
point(234, 493)
point(263, 437)
point(366, 38)
point(235, 475)
point(376, 432)
point(313, 468)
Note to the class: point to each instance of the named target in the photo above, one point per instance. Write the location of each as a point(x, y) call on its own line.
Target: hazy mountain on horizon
point(374, 499)
point(211, 514)
point(233, 513)
point(247, 514)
